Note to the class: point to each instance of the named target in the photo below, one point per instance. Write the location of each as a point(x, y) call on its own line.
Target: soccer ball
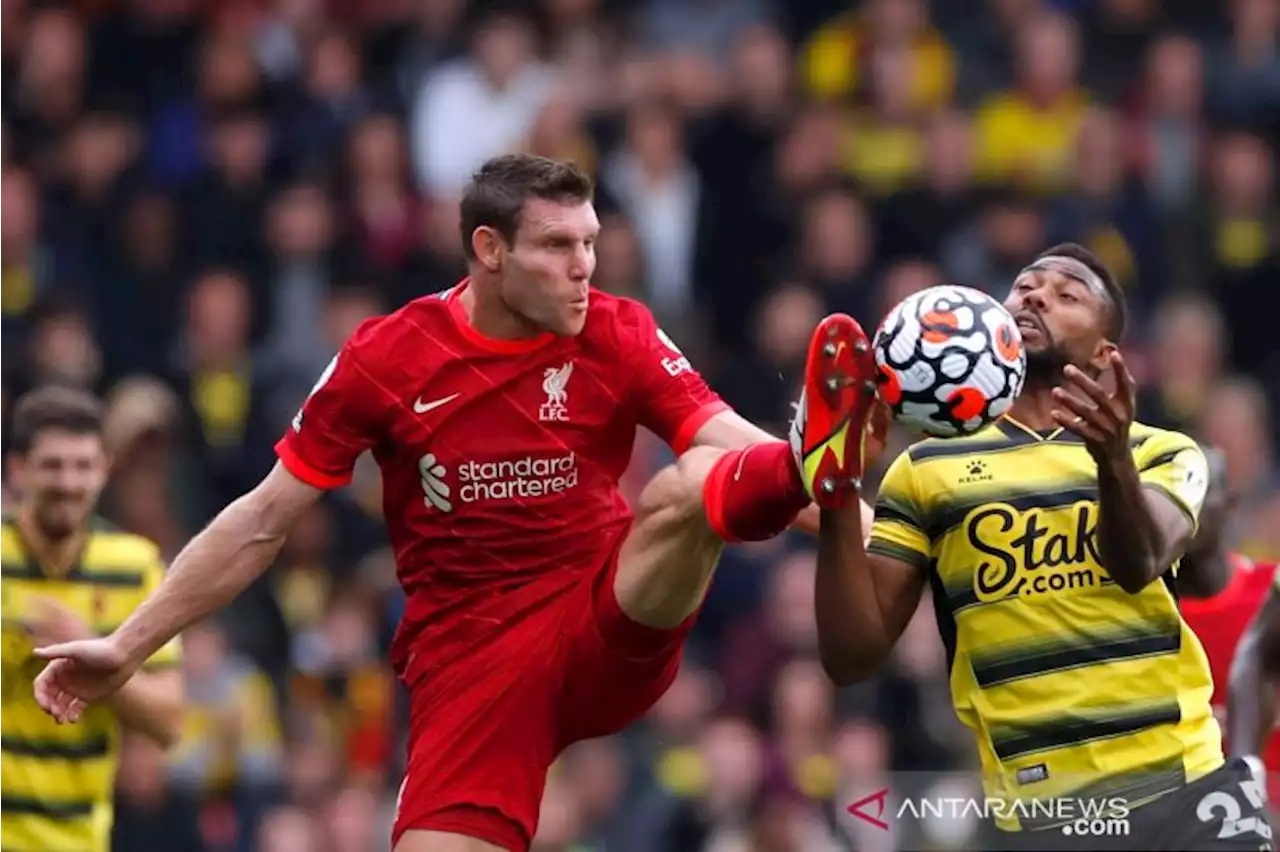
point(950, 361)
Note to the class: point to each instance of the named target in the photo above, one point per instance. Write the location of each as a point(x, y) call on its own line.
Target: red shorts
point(483, 735)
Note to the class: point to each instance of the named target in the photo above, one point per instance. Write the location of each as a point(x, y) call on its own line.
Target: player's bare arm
point(218, 564)
point(1255, 677)
point(863, 601)
point(1141, 532)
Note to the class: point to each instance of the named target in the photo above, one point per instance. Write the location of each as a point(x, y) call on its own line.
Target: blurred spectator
point(1236, 419)
point(1244, 71)
point(917, 220)
point(1166, 123)
point(835, 57)
point(230, 746)
point(1027, 133)
point(660, 193)
point(1105, 211)
point(29, 267)
point(1187, 353)
point(471, 109)
point(988, 252)
point(150, 814)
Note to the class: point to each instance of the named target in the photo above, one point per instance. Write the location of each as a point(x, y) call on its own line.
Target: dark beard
point(1045, 366)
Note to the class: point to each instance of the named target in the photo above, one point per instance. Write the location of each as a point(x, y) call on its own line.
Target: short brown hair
point(57, 407)
point(496, 194)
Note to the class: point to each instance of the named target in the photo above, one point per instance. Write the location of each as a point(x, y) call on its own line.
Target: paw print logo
point(977, 468)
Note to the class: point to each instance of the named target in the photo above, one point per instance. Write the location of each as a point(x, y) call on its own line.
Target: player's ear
point(488, 245)
point(1101, 360)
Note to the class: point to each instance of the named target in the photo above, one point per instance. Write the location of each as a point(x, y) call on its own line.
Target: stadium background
point(200, 200)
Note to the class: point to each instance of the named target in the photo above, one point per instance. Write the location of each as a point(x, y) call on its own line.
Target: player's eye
point(1070, 297)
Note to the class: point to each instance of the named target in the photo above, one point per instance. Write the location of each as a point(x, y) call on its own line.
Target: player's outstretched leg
point(710, 496)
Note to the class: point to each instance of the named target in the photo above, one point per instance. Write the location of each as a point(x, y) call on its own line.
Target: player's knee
point(675, 493)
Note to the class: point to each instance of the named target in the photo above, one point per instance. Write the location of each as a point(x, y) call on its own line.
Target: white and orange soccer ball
point(950, 361)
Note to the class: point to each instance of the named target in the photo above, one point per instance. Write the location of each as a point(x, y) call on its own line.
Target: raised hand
point(1102, 419)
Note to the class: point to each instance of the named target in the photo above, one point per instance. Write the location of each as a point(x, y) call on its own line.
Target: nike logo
point(420, 407)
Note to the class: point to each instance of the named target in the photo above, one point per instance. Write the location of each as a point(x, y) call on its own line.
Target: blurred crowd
point(200, 200)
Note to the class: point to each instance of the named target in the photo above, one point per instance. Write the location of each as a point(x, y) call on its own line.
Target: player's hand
point(1102, 419)
point(80, 673)
point(48, 622)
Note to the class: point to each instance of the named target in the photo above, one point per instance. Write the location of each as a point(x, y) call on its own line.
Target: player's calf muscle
point(667, 561)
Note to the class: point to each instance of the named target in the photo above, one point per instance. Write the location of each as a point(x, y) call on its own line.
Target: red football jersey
point(500, 459)
point(1220, 621)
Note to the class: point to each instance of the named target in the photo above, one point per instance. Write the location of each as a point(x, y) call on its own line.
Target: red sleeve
point(671, 397)
point(342, 417)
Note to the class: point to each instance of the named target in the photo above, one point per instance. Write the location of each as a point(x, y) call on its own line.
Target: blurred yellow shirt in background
point(831, 64)
point(1022, 143)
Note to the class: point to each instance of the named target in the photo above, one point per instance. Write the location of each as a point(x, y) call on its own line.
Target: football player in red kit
point(502, 412)
point(1220, 594)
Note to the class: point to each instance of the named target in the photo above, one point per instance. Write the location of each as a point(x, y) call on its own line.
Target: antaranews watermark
point(1107, 817)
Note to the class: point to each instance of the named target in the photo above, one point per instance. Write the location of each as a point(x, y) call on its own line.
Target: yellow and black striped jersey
point(56, 780)
point(1071, 684)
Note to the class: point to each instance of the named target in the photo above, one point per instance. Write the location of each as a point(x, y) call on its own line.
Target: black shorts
point(1222, 812)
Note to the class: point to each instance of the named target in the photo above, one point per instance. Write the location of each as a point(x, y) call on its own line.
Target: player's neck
point(489, 316)
point(1033, 408)
point(55, 558)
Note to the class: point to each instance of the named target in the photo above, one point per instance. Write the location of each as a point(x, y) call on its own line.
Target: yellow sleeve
point(171, 654)
point(1173, 464)
point(899, 527)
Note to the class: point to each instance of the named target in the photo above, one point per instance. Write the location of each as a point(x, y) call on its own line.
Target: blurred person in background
point(837, 249)
point(1237, 246)
point(287, 829)
point(1166, 128)
point(1107, 212)
point(151, 812)
point(1187, 352)
point(69, 577)
point(661, 194)
point(229, 754)
point(225, 398)
point(836, 56)
point(29, 267)
point(471, 109)
point(152, 479)
point(1244, 70)
point(1026, 135)
point(1236, 420)
point(1006, 232)
point(62, 348)
point(918, 219)
point(774, 363)
point(883, 148)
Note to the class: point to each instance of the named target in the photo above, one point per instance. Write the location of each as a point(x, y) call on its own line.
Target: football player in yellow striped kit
point(67, 576)
point(1050, 543)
